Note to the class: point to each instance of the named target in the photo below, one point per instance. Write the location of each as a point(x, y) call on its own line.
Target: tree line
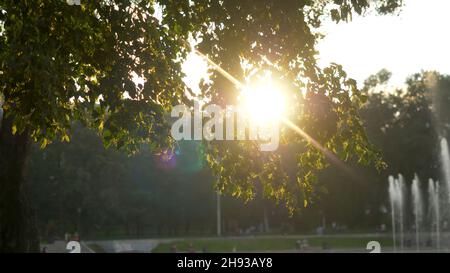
point(83, 186)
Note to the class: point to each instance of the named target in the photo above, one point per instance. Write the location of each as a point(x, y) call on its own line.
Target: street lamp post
point(1, 110)
point(79, 210)
point(219, 216)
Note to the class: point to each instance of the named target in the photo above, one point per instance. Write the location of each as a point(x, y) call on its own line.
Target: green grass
point(271, 243)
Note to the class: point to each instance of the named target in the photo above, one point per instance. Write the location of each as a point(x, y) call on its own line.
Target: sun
point(263, 101)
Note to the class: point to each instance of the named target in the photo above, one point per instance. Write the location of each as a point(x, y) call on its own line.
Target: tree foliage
point(60, 63)
point(281, 37)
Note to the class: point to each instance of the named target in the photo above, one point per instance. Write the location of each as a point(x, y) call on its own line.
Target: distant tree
point(83, 186)
point(407, 123)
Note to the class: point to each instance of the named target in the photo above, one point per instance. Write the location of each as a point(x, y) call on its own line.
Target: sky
point(415, 39)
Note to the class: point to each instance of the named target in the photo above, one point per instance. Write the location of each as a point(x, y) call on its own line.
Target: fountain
point(396, 196)
point(400, 185)
point(418, 208)
point(392, 195)
point(445, 165)
point(438, 206)
point(433, 195)
point(445, 161)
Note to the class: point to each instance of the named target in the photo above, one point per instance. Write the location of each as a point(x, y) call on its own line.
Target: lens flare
point(263, 102)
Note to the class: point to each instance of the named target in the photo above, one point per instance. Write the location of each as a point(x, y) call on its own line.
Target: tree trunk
point(18, 232)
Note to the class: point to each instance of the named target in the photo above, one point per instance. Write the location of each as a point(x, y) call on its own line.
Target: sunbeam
point(241, 87)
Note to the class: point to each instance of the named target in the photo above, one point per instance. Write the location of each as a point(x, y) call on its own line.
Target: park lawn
point(271, 243)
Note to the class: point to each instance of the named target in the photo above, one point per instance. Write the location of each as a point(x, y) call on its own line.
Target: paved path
point(137, 245)
point(59, 246)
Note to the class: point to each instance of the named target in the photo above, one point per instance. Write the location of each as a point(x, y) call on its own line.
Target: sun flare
point(263, 102)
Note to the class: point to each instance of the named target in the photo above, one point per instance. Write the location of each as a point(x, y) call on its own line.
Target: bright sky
point(418, 38)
